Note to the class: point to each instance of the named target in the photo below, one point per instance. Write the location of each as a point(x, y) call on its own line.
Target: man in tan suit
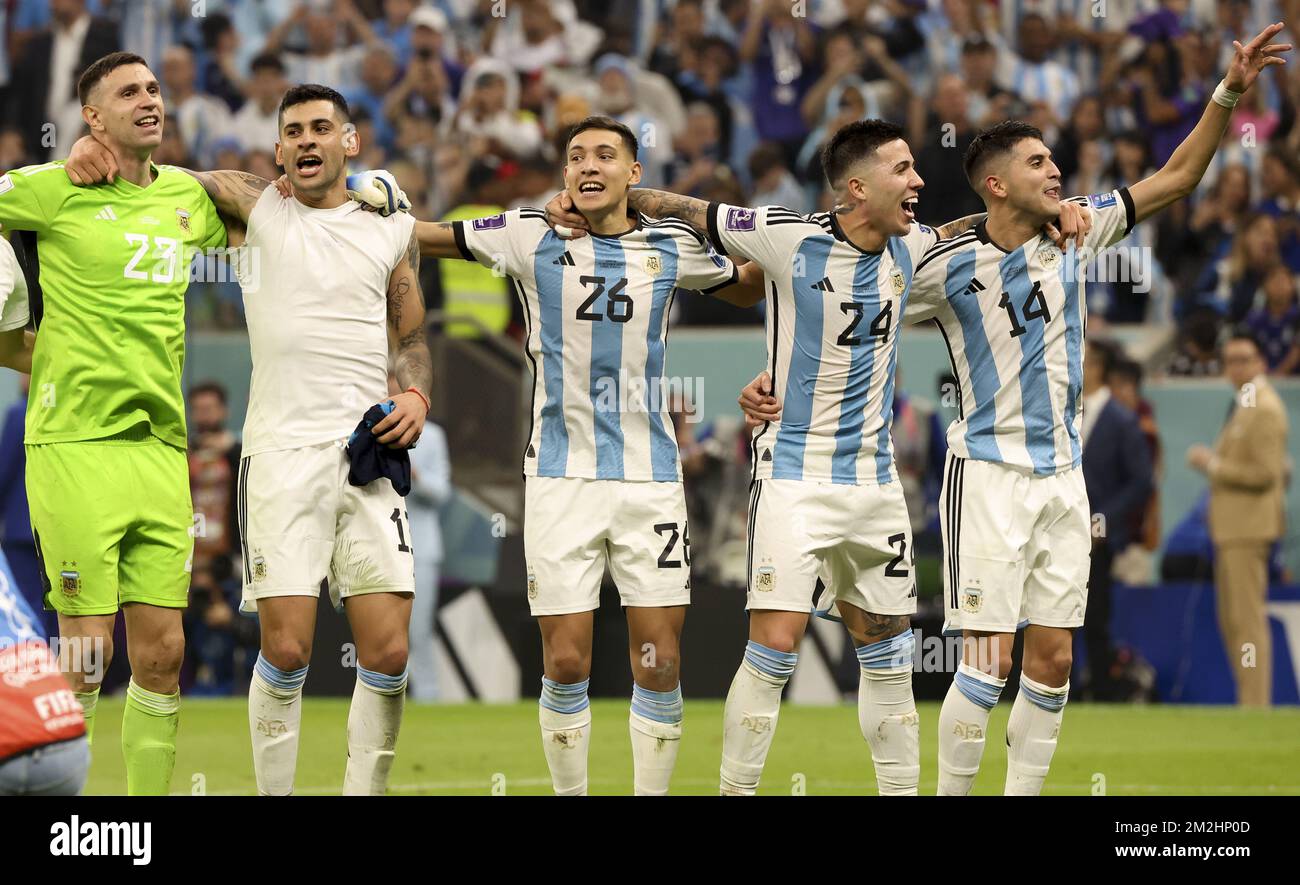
point(1246, 472)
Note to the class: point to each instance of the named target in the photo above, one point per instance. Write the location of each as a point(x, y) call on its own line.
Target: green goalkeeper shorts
point(112, 520)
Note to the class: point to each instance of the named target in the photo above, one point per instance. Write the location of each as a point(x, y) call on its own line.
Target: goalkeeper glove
point(378, 190)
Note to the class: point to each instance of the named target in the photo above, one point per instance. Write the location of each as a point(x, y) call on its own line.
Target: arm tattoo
point(413, 365)
point(961, 225)
point(233, 193)
point(662, 204)
point(880, 627)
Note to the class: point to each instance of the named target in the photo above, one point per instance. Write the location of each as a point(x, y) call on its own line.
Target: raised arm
point(233, 193)
point(1185, 168)
point(411, 361)
point(16, 348)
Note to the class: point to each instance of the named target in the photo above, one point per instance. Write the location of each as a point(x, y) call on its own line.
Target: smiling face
point(598, 170)
point(313, 146)
point(887, 185)
point(127, 106)
point(1029, 180)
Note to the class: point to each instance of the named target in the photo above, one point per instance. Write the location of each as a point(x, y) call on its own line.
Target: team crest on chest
point(183, 219)
point(1049, 256)
point(898, 282)
point(652, 264)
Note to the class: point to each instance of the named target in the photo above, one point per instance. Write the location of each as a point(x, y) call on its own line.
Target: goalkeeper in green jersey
point(107, 477)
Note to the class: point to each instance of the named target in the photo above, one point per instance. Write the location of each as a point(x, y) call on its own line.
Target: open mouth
point(591, 187)
point(1053, 192)
point(909, 208)
point(309, 165)
point(149, 123)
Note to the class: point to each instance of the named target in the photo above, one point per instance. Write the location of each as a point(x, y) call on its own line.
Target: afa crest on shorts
point(532, 586)
point(70, 582)
point(259, 567)
point(766, 579)
point(972, 599)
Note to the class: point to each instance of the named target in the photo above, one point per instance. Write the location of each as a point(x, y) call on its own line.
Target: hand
point(758, 403)
point(378, 192)
point(283, 186)
point(90, 163)
point(567, 221)
point(1249, 60)
point(403, 425)
point(1075, 221)
point(1199, 457)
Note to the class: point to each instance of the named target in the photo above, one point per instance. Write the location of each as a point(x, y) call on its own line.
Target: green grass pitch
point(482, 749)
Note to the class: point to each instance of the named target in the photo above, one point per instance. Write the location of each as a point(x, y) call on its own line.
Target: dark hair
point(766, 157)
point(993, 142)
point(213, 387)
point(1127, 369)
point(853, 143)
point(1242, 333)
point(599, 122)
point(1106, 352)
point(305, 92)
point(100, 69)
point(266, 61)
point(212, 27)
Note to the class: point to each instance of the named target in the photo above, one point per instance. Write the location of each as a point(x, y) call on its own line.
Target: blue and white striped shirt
point(832, 329)
point(597, 316)
point(1014, 324)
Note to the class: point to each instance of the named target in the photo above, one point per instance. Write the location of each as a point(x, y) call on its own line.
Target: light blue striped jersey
point(832, 331)
point(596, 310)
point(1014, 325)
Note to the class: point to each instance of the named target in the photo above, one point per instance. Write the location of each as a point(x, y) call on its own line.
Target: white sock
point(963, 722)
point(374, 720)
point(887, 713)
point(749, 719)
point(1032, 732)
point(655, 723)
point(274, 714)
point(565, 716)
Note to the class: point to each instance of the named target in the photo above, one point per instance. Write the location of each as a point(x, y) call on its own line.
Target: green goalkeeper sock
point(88, 700)
point(149, 726)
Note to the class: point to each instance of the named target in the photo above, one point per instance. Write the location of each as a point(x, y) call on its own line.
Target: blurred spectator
point(1030, 73)
point(13, 151)
point(1280, 186)
point(1246, 474)
point(619, 98)
point(535, 34)
point(425, 91)
point(489, 111)
point(1133, 566)
point(219, 73)
point(774, 184)
point(201, 119)
point(46, 109)
point(431, 41)
point(698, 151)
point(257, 123)
point(708, 74)
point(378, 73)
point(16, 539)
point(685, 24)
point(1084, 133)
point(1229, 285)
point(1197, 354)
point(1118, 473)
point(223, 644)
point(989, 102)
point(430, 490)
point(148, 27)
point(323, 58)
point(1274, 323)
point(939, 148)
point(781, 52)
point(396, 26)
point(214, 471)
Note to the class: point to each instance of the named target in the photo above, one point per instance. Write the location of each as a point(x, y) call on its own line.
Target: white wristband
point(1225, 96)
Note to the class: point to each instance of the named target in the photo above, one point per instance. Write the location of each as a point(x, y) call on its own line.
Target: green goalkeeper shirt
point(114, 267)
